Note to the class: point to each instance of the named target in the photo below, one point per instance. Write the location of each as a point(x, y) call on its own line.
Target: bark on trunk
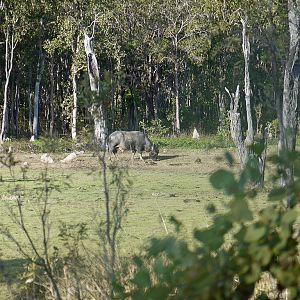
point(97, 110)
point(246, 51)
point(74, 111)
point(291, 80)
point(262, 158)
point(16, 111)
point(30, 112)
point(222, 111)
point(9, 56)
point(177, 104)
point(37, 97)
point(157, 96)
point(51, 99)
point(291, 88)
point(236, 126)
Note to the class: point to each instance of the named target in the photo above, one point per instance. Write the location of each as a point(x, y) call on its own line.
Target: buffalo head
point(153, 154)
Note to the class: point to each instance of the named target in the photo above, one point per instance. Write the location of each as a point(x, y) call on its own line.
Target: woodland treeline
point(165, 64)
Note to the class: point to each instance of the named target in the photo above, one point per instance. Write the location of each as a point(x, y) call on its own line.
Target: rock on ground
point(46, 158)
point(71, 156)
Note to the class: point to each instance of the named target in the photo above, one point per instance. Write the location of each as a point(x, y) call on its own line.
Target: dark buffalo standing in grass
point(135, 141)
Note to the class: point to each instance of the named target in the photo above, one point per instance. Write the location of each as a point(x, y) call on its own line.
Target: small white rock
point(196, 134)
point(25, 164)
point(47, 159)
point(69, 158)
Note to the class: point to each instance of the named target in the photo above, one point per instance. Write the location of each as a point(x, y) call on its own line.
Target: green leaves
point(211, 238)
point(223, 179)
point(277, 194)
point(237, 244)
point(289, 217)
point(240, 211)
point(254, 233)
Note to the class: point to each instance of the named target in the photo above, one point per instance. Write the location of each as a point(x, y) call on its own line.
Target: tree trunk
point(222, 111)
point(51, 98)
point(291, 79)
point(235, 120)
point(132, 115)
point(16, 111)
point(9, 56)
point(275, 71)
point(263, 157)
point(246, 51)
point(37, 96)
point(74, 111)
point(291, 88)
point(177, 104)
point(157, 93)
point(97, 110)
point(236, 126)
point(30, 111)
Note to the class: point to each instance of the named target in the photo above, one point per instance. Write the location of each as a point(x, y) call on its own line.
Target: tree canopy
point(160, 62)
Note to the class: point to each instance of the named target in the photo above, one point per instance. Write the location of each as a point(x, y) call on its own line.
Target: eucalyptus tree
point(40, 18)
point(66, 41)
point(291, 87)
point(186, 37)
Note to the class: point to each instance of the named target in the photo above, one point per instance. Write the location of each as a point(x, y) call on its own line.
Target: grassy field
point(177, 184)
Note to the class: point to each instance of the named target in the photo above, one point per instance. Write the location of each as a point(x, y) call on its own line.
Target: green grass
point(178, 184)
point(206, 142)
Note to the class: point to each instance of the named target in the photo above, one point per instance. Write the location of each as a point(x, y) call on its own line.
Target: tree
point(37, 94)
point(97, 109)
point(11, 41)
point(10, 45)
point(291, 86)
point(235, 119)
point(186, 34)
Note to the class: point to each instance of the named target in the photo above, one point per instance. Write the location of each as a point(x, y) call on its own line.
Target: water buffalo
point(135, 141)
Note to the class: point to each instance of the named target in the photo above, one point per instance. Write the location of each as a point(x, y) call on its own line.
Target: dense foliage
point(160, 61)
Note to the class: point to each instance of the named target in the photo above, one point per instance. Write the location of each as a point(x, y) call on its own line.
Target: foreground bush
point(217, 268)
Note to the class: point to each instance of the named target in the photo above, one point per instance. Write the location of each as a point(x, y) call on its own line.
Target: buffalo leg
point(141, 157)
point(132, 155)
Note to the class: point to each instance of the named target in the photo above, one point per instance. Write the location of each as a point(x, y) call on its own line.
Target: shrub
point(216, 269)
point(185, 142)
point(156, 127)
point(42, 145)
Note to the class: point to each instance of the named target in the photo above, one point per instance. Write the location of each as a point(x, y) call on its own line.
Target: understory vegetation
point(243, 252)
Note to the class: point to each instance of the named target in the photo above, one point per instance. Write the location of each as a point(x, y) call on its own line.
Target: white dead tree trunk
point(291, 87)
point(236, 126)
point(246, 51)
point(10, 46)
point(97, 109)
point(244, 146)
point(234, 115)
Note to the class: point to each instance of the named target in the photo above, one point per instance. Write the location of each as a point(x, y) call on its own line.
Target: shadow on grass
point(17, 180)
point(166, 157)
point(12, 269)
